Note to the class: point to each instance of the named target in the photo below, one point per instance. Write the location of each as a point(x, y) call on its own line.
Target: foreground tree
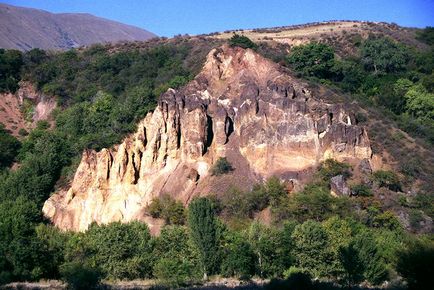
point(312, 248)
point(205, 233)
point(415, 264)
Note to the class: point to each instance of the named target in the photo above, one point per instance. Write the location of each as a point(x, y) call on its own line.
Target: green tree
point(205, 233)
point(351, 263)
point(420, 103)
point(313, 59)
point(9, 147)
point(415, 264)
point(426, 35)
point(311, 249)
point(177, 260)
point(238, 257)
point(80, 276)
point(340, 233)
point(169, 209)
point(382, 55)
point(330, 168)
point(21, 255)
point(387, 179)
point(52, 242)
point(374, 268)
point(272, 248)
point(10, 66)
point(121, 251)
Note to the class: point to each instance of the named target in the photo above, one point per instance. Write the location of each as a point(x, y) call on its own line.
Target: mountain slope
point(26, 28)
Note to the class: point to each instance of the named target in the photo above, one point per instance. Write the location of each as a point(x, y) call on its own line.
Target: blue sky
point(170, 17)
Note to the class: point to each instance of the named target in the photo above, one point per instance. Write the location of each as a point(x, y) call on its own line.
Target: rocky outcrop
point(37, 107)
point(339, 187)
point(241, 106)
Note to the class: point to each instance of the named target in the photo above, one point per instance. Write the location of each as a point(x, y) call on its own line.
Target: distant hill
point(27, 28)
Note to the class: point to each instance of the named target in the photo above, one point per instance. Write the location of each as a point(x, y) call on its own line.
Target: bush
point(121, 251)
point(361, 190)
point(174, 272)
point(330, 168)
point(169, 209)
point(242, 41)
point(221, 166)
point(387, 179)
point(80, 276)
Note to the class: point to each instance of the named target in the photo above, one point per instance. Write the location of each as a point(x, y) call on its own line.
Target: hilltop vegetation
point(312, 237)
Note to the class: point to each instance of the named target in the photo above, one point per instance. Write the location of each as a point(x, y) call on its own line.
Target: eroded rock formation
point(241, 106)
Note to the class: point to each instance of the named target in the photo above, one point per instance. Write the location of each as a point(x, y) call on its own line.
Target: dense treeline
point(337, 250)
point(312, 235)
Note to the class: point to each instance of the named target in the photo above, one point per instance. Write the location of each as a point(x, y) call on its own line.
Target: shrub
point(387, 179)
point(169, 209)
point(242, 41)
point(361, 190)
point(221, 166)
point(80, 276)
point(415, 217)
point(331, 167)
point(174, 272)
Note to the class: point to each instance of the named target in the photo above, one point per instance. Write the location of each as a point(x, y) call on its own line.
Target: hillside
point(200, 157)
point(26, 28)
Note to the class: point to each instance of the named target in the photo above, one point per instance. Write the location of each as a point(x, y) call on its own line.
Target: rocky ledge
point(241, 106)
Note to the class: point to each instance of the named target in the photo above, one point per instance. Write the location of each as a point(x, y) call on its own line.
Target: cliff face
point(240, 106)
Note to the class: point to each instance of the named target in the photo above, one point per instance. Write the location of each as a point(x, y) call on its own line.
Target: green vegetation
point(387, 179)
point(382, 55)
point(205, 233)
point(79, 276)
point(242, 41)
point(313, 59)
point(221, 166)
point(330, 168)
point(415, 264)
point(9, 148)
point(167, 208)
point(310, 239)
point(10, 67)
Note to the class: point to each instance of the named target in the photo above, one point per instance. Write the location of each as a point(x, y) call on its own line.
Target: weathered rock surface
point(339, 186)
point(11, 113)
point(240, 106)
